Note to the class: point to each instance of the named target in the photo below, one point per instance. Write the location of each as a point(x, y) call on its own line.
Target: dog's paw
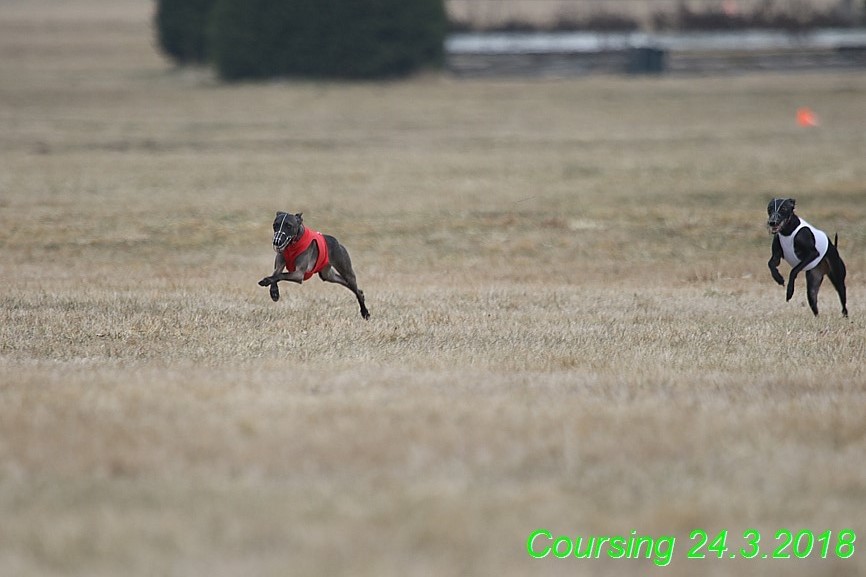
point(265, 281)
point(790, 292)
point(275, 292)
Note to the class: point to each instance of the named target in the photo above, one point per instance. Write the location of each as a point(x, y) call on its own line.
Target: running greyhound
point(806, 248)
point(303, 252)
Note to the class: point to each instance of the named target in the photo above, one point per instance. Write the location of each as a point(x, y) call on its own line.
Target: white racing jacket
point(787, 242)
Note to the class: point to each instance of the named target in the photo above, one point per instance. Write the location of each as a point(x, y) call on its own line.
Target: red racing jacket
point(294, 249)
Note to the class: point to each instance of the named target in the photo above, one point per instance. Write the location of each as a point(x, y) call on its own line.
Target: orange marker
point(805, 117)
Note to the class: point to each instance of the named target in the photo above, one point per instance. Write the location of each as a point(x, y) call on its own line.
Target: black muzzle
point(281, 240)
point(776, 222)
point(779, 212)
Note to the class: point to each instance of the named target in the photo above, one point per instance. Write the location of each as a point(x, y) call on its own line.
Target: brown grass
point(573, 326)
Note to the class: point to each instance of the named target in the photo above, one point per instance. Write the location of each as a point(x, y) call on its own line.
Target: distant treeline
point(794, 16)
point(256, 39)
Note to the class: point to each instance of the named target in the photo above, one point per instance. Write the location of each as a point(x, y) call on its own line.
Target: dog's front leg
point(814, 278)
point(794, 272)
point(271, 281)
point(297, 276)
point(804, 246)
point(775, 260)
point(810, 256)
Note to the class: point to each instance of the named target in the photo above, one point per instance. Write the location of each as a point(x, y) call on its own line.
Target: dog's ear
point(300, 216)
point(793, 203)
point(280, 213)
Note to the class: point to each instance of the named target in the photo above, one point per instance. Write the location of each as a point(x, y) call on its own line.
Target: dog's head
point(287, 229)
point(779, 212)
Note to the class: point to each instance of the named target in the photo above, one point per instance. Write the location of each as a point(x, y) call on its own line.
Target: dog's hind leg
point(837, 274)
point(840, 288)
point(340, 271)
point(839, 285)
point(814, 278)
point(347, 279)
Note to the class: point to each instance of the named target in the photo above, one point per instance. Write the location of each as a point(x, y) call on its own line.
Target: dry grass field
point(573, 323)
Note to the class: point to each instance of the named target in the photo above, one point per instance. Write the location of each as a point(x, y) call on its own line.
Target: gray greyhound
point(806, 248)
point(303, 252)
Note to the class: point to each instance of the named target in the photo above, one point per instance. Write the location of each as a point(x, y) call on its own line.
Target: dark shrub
point(326, 38)
point(181, 27)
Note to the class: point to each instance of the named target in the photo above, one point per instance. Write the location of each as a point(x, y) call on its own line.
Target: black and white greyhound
point(806, 248)
point(303, 252)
